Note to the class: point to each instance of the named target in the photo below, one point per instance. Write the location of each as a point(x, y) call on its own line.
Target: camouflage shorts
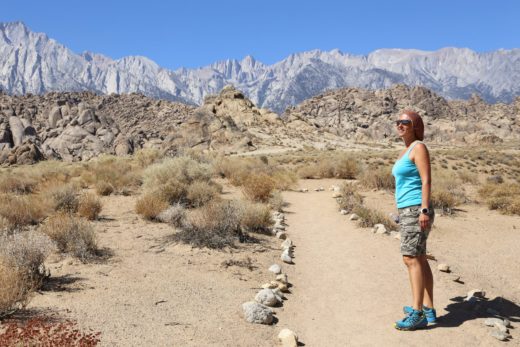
point(413, 239)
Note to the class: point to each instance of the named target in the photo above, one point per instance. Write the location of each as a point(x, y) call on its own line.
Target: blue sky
point(196, 33)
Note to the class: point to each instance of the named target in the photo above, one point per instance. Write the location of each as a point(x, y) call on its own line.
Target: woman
point(412, 172)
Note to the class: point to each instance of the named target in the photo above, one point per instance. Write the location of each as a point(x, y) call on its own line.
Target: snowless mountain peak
point(33, 63)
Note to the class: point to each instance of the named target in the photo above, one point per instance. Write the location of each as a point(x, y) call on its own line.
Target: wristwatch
point(425, 210)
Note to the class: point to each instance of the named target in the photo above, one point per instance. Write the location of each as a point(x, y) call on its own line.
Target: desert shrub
point(120, 173)
point(380, 178)
point(15, 289)
point(444, 200)
point(216, 225)
point(16, 183)
point(467, 176)
point(258, 187)
point(276, 201)
point(89, 206)
point(200, 193)
point(346, 167)
point(175, 215)
point(284, 179)
point(150, 205)
point(308, 172)
point(21, 267)
point(256, 217)
point(173, 191)
point(104, 188)
point(503, 197)
point(183, 169)
point(72, 235)
point(147, 156)
point(18, 211)
point(63, 197)
point(350, 198)
point(368, 217)
point(236, 170)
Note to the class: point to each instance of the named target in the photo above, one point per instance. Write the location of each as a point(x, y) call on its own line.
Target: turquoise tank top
point(408, 184)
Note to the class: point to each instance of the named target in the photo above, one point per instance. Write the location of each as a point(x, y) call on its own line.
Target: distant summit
point(33, 63)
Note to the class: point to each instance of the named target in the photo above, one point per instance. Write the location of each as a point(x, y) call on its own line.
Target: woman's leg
point(417, 277)
point(428, 281)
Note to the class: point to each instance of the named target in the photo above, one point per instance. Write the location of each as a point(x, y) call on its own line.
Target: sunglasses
point(402, 122)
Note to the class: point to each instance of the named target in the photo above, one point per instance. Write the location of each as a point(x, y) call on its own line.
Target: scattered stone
point(288, 338)
point(507, 323)
point(380, 229)
point(281, 235)
point(335, 188)
point(271, 285)
point(282, 278)
point(499, 335)
point(304, 190)
point(343, 212)
point(283, 287)
point(336, 195)
point(276, 269)
point(287, 244)
point(286, 258)
point(354, 216)
point(443, 267)
point(267, 297)
point(490, 322)
point(257, 313)
point(501, 327)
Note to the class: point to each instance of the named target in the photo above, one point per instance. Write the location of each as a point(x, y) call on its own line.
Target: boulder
point(254, 312)
point(267, 297)
point(54, 116)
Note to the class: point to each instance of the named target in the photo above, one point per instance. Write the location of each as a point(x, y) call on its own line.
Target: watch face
point(425, 211)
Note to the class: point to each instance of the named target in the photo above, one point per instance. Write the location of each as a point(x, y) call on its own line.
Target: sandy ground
point(348, 284)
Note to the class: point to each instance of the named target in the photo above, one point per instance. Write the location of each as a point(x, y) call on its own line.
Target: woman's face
point(404, 127)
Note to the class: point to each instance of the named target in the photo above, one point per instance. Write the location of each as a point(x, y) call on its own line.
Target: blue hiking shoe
point(430, 313)
point(414, 320)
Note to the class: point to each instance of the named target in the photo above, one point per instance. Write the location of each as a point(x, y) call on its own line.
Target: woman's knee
point(410, 260)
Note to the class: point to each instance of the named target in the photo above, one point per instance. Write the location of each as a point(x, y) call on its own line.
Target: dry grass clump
point(174, 215)
point(21, 267)
point(63, 197)
point(147, 156)
point(284, 179)
point(150, 205)
point(103, 188)
point(18, 211)
point(236, 170)
point(72, 235)
point(216, 225)
point(258, 187)
point(183, 169)
point(256, 217)
point(16, 183)
point(200, 193)
point(447, 191)
point(467, 176)
point(350, 198)
point(276, 201)
point(503, 197)
point(368, 217)
point(339, 166)
point(89, 206)
point(112, 174)
point(380, 178)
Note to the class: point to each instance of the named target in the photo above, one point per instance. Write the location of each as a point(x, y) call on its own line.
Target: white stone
point(501, 327)
point(286, 258)
point(336, 195)
point(266, 297)
point(490, 322)
point(257, 313)
point(497, 334)
point(288, 338)
point(271, 285)
point(287, 243)
point(478, 293)
point(276, 269)
point(282, 278)
point(380, 229)
point(354, 216)
point(343, 212)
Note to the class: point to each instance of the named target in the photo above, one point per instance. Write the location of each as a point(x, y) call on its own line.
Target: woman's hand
point(424, 221)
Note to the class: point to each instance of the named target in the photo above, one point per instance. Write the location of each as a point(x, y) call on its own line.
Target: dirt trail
point(350, 284)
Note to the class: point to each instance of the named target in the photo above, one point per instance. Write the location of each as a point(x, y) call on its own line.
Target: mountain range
point(32, 62)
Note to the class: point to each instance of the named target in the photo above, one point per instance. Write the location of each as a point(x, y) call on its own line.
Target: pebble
point(478, 293)
point(282, 278)
point(501, 327)
point(304, 190)
point(336, 195)
point(287, 243)
point(354, 216)
point(266, 297)
point(271, 285)
point(343, 212)
point(276, 269)
point(490, 322)
point(443, 267)
point(380, 229)
point(286, 258)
